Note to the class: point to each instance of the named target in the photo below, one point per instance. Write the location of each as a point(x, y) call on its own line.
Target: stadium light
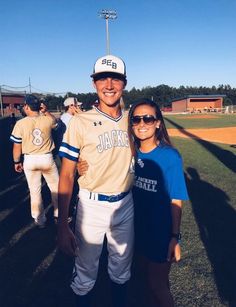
point(108, 14)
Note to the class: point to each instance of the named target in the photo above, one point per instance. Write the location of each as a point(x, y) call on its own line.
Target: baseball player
point(32, 138)
point(71, 108)
point(105, 206)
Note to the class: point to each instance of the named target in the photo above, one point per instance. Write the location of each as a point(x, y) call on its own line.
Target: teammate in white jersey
point(105, 206)
point(32, 137)
point(71, 105)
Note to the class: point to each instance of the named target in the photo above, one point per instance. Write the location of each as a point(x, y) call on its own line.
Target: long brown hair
point(161, 133)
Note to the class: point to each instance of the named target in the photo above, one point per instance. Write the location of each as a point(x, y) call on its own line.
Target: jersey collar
point(108, 116)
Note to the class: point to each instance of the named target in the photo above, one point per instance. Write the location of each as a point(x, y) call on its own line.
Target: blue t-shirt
point(159, 178)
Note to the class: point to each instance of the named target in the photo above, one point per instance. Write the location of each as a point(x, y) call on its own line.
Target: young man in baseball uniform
point(32, 137)
point(71, 109)
point(105, 206)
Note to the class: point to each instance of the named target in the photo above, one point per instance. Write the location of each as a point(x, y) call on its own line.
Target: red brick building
point(198, 103)
point(11, 103)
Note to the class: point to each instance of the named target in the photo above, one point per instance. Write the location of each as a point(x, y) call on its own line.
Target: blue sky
point(172, 42)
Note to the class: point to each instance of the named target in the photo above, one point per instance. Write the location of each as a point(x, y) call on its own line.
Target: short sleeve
point(176, 181)
point(16, 135)
point(70, 146)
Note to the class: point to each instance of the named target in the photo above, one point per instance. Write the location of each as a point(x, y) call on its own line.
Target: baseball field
point(33, 273)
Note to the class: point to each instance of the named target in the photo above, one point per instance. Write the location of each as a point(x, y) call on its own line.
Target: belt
point(112, 198)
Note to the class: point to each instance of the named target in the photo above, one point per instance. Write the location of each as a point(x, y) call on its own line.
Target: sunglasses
point(147, 119)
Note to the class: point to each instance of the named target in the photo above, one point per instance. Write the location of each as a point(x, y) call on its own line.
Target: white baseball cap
point(70, 101)
point(109, 64)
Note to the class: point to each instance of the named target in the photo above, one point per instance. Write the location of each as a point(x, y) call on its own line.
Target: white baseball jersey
point(66, 117)
point(103, 142)
point(34, 133)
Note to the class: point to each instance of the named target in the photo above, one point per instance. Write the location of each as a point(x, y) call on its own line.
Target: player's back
point(35, 134)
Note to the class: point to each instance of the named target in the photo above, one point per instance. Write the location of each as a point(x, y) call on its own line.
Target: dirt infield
point(219, 135)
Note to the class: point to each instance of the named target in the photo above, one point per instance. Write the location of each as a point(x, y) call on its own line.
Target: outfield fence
point(225, 110)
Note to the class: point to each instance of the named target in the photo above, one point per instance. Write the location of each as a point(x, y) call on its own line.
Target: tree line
point(162, 94)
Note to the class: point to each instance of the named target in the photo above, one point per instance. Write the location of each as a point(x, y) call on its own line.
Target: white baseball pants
point(36, 166)
point(94, 220)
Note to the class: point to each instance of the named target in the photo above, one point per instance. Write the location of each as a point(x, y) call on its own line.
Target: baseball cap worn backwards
point(109, 64)
point(32, 100)
point(70, 101)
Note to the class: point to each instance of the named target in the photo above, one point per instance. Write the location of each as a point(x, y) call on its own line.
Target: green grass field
point(206, 275)
point(34, 274)
point(187, 121)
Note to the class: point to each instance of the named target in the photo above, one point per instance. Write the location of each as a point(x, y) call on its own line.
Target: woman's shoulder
point(171, 151)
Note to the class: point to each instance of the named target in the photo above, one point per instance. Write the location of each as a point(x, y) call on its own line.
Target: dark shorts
point(155, 251)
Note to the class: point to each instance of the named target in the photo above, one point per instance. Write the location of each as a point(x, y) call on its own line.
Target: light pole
point(107, 14)
point(29, 85)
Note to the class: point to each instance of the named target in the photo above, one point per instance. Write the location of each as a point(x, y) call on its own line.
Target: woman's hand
point(174, 251)
point(19, 167)
point(82, 167)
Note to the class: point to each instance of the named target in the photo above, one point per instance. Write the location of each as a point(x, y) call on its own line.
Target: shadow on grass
point(7, 172)
point(224, 156)
point(33, 273)
point(216, 220)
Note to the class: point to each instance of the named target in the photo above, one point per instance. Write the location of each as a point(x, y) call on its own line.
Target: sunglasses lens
point(136, 120)
point(147, 119)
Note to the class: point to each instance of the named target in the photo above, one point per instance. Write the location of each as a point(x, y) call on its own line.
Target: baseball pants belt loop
point(93, 196)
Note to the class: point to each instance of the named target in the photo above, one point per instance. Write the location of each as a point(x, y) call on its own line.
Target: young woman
point(158, 192)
